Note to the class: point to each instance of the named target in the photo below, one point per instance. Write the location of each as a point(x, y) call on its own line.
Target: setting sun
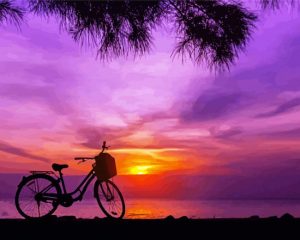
point(139, 170)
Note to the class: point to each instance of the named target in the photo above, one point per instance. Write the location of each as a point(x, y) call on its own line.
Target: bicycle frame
point(85, 183)
point(82, 187)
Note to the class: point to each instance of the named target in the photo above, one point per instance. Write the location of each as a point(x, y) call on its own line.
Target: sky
point(159, 115)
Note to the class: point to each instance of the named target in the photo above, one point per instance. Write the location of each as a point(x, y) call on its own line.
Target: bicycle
point(39, 194)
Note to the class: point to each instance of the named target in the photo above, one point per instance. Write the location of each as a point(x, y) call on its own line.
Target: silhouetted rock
point(170, 217)
point(272, 218)
point(254, 217)
point(67, 218)
point(51, 218)
point(183, 218)
point(287, 216)
point(109, 220)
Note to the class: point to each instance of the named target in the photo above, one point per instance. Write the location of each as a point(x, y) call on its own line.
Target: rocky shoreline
point(72, 228)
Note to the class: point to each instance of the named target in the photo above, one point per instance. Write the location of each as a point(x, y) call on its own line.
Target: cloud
point(284, 134)
point(252, 85)
point(47, 95)
point(212, 105)
point(91, 136)
point(227, 134)
point(283, 108)
point(5, 147)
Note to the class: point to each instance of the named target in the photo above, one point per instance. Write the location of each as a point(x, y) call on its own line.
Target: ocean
point(161, 208)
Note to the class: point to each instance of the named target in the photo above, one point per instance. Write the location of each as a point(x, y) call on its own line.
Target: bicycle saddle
point(59, 167)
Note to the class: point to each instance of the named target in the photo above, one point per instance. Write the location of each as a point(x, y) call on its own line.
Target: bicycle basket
point(105, 167)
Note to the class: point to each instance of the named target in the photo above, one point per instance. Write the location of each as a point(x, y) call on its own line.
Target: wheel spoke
point(28, 186)
point(27, 203)
point(110, 200)
point(38, 203)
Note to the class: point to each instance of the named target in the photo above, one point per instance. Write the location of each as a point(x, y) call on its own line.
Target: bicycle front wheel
point(109, 199)
point(29, 199)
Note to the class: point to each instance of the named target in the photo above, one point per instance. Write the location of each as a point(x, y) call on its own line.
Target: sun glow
point(140, 170)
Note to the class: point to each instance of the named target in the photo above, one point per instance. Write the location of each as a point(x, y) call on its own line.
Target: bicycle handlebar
point(90, 158)
point(84, 158)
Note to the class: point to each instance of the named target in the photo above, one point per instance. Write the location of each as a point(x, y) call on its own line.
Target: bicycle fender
point(23, 179)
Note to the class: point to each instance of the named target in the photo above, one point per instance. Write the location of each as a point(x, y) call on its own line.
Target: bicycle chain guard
point(66, 201)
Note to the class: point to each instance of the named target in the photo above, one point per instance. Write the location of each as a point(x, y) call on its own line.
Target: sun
point(139, 170)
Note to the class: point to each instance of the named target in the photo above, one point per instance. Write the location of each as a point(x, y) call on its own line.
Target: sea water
point(161, 208)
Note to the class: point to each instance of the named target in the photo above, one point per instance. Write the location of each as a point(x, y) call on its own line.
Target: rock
point(67, 218)
point(272, 218)
point(254, 217)
point(110, 219)
point(183, 218)
point(170, 217)
point(287, 216)
point(46, 219)
point(52, 217)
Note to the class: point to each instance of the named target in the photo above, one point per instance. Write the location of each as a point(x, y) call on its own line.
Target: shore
point(72, 228)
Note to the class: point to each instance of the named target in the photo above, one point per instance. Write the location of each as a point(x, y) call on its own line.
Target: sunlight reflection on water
point(156, 208)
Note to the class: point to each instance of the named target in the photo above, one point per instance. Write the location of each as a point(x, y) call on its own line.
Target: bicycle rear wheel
point(29, 196)
point(109, 199)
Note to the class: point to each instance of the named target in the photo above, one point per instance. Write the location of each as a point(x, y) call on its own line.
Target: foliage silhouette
point(10, 13)
point(211, 32)
point(276, 4)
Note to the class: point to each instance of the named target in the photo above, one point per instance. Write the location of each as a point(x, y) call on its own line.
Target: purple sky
point(58, 101)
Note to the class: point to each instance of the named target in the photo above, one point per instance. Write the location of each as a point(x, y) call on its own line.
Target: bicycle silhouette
point(38, 195)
